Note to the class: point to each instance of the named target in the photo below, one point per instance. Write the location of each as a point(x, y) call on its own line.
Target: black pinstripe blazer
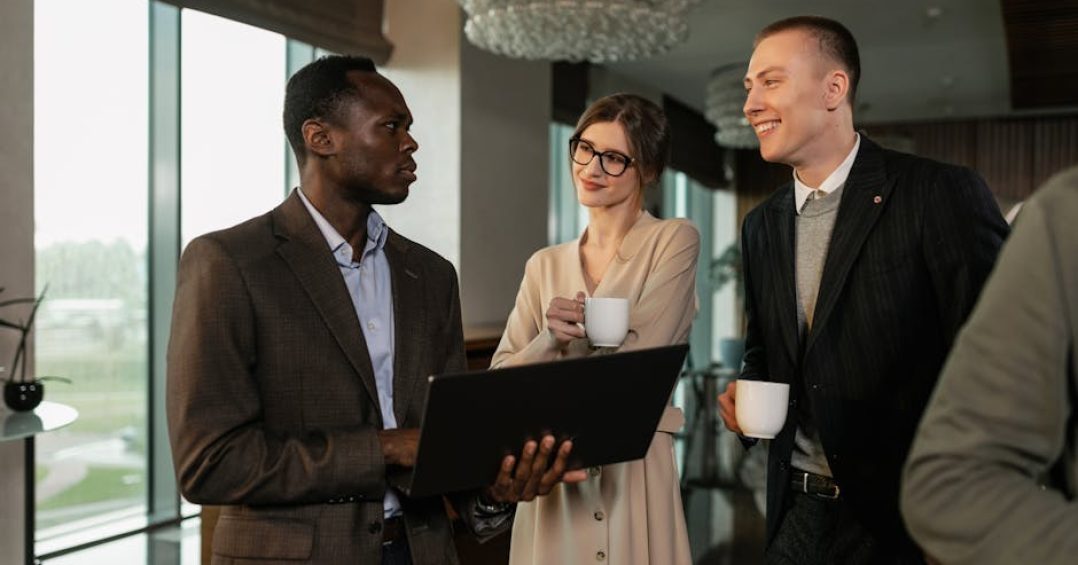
point(272, 403)
point(913, 242)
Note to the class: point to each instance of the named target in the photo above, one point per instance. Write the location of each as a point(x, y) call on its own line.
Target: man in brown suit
point(301, 342)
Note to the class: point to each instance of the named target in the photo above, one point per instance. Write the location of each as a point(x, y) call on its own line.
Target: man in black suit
point(858, 275)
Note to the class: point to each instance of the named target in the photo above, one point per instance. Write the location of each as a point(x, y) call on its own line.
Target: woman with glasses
point(628, 513)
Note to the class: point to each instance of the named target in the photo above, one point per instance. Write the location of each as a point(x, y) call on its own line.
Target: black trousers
point(819, 531)
point(397, 552)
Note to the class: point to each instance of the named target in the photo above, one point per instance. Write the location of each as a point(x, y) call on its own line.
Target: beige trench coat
point(629, 513)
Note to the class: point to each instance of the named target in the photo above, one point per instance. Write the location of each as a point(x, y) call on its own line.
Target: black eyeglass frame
point(574, 142)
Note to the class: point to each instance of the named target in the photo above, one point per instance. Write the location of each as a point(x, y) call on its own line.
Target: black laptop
point(609, 405)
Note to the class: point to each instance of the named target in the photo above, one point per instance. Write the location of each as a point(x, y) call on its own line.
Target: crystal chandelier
point(723, 107)
point(599, 31)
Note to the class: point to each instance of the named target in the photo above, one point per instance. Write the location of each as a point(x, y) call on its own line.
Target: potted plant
point(21, 393)
point(726, 269)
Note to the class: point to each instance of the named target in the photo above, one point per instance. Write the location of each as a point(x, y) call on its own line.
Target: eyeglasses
point(611, 162)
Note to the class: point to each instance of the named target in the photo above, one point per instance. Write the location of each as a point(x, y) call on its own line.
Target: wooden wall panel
point(1042, 49)
point(1004, 157)
point(755, 180)
point(1014, 155)
point(1057, 143)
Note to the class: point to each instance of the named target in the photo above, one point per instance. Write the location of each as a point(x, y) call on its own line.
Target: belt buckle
point(392, 530)
point(833, 496)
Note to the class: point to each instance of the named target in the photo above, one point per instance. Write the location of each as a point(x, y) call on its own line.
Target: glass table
point(46, 417)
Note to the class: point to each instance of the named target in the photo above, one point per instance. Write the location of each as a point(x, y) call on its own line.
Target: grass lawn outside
point(115, 485)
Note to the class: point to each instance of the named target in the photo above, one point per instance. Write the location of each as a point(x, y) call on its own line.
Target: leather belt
point(393, 530)
point(816, 485)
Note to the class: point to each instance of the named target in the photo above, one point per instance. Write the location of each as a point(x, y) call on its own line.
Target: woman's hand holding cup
point(564, 317)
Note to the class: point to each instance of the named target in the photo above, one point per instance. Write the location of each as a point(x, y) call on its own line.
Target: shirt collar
point(377, 231)
point(836, 179)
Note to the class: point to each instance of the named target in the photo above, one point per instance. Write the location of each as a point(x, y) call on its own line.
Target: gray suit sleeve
point(997, 422)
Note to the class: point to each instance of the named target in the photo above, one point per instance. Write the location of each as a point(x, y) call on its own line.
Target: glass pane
point(90, 168)
point(232, 93)
point(567, 217)
point(726, 321)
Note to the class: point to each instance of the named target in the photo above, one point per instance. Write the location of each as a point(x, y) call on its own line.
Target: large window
point(232, 148)
point(90, 169)
point(152, 125)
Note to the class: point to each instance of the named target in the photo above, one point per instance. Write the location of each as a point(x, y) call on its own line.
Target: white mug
point(606, 321)
point(760, 407)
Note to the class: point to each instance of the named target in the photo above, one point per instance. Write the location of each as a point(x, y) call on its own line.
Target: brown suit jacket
point(272, 404)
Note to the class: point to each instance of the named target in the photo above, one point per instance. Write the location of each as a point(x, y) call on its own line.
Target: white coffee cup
point(761, 407)
point(606, 321)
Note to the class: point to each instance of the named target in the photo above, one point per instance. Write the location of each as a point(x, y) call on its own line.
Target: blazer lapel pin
point(877, 199)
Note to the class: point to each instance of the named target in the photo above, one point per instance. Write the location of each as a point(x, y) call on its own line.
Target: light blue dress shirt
point(370, 287)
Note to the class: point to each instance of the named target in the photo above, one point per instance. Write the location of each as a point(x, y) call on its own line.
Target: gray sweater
point(813, 228)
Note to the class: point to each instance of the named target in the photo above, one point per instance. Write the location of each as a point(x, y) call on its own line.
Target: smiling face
point(791, 98)
point(596, 188)
point(373, 163)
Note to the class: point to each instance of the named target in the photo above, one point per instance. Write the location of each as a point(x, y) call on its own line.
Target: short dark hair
point(835, 41)
point(645, 125)
point(319, 90)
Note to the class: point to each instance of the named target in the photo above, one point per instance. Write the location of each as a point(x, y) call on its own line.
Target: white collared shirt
point(370, 286)
point(836, 179)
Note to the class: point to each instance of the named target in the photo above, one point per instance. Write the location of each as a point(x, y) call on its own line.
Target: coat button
point(600, 556)
point(599, 515)
point(594, 471)
point(375, 527)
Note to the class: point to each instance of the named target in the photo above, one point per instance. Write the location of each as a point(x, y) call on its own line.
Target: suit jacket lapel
point(779, 223)
point(865, 194)
point(307, 254)
point(408, 318)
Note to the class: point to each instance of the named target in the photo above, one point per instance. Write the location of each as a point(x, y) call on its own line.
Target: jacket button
point(600, 556)
point(782, 465)
point(375, 527)
point(594, 471)
point(599, 515)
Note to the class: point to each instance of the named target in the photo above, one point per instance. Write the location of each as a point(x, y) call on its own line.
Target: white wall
point(16, 231)
point(425, 65)
point(505, 185)
point(482, 122)
point(603, 81)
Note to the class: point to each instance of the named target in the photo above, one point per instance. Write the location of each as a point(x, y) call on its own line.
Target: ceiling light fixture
point(599, 31)
point(724, 105)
